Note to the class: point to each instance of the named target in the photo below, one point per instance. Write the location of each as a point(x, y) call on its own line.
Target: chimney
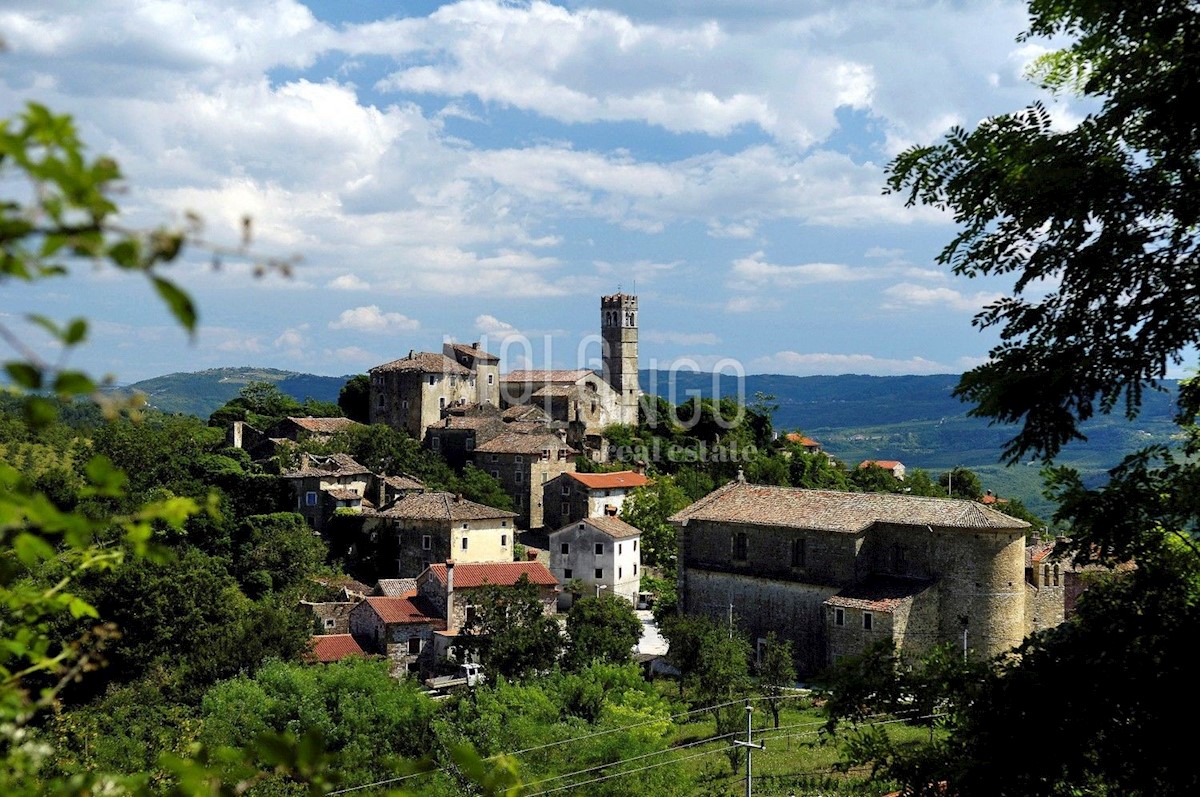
point(640, 467)
point(410, 354)
point(475, 344)
point(449, 593)
point(531, 554)
point(458, 498)
point(382, 493)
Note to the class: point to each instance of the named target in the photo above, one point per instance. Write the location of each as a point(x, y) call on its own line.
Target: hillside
point(914, 419)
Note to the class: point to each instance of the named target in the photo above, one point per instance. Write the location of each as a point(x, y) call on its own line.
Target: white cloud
point(371, 319)
point(795, 363)
point(907, 296)
point(884, 253)
point(291, 338)
point(752, 304)
point(494, 328)
point(754, 273)
point(352, 354)
point(680, 338)
point(349, 282)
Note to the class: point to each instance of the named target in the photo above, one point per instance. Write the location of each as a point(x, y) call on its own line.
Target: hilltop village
point(832, 572)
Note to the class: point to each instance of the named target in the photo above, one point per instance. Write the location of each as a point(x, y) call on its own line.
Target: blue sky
point(488, 169)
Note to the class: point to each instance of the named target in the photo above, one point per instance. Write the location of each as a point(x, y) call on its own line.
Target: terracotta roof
point(612, 526)
point(796, 437)
point(610, 481)
point(425, 362)
point(518, 443)
point(395, 587)
point(441, 506)
point(326, 465)
point(886, 464)
point(333, 647)
point(324, 425)
point(473, 350)
point(407, 609)
point(470, 575)
point(879, 593)
point(545, 377)
point(831, 510)
point(403, 481)
point(555, 391)
point(1040, 551)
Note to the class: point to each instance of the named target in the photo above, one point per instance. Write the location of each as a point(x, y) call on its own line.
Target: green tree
point(354, 398)
point(511, 633)
point(276, 552)
point(601, 629)
point(874, 479)
point(776, 673)
point(962, 482)
point(647, 509)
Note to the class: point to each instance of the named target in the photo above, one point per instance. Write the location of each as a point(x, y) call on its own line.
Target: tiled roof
point(545, 377)
point(474, 351)
point(425, 362)
point(402, 481)
point(324, 425)
point(525, 412)
point(555, 391)
point(441, 506)
point(830, 510)
point(807, 442)
point(469, 422)
point(407, 609)
point(610, 481)
point(879, 593)
point(339, 494)
point(333, 647)
point(517, 443)
point(395, 587)
point(1040, 551)
point(886, 464)
point(470, 575)
point(326, 465)
point(612, 526)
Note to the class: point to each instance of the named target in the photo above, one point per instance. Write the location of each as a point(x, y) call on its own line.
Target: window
point(330, 622)
point(799, 551)
point(470, 613)
point(503, 540)
point(635, 570)
point(599, 572)
point(464, 543)
point(635, 546)
point(619, 546)
point(599, 549)
point(566, 548)
point(1056, 575)
point(406, 405)
point(495, 457)
point(868, 621)
point(436, 442)
point(545, 454)
point(432, 379)
point(839, 617)
point(620, 572)
point(465, 526)
point(566, 490)
point(495, 474)
point(518, 477)
point(518, 459)
point(567, 573)
point(740, 545)
point(491, 379)
point(442, 402)
point(310, 498)
point(503, 524)
point(414, 645)
point(470, 443)
point(426, 542)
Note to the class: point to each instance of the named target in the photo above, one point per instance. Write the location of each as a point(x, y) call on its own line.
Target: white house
point(602, 552)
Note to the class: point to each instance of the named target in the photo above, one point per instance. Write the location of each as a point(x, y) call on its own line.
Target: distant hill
point(914, 419)
point(201, 392)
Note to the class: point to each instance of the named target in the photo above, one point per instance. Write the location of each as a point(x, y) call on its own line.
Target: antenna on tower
point(618, 287)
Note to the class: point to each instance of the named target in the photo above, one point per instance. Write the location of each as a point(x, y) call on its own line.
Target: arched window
point(1056, 575)
point(1046, 576)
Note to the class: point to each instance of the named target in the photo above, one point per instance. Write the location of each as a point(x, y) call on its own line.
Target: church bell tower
point(619, 332)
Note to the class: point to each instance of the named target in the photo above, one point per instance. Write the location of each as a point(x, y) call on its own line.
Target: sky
point(485, 170)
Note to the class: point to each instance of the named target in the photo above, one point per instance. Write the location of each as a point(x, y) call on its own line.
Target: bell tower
point(619, 332)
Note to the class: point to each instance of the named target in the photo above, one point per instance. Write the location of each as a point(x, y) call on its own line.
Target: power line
point(630, 771)
point(635, 758)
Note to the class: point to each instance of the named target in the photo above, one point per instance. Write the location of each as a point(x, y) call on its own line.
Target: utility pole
point(749, 745)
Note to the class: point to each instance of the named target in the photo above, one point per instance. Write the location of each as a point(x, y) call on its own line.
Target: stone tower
point(619, 331)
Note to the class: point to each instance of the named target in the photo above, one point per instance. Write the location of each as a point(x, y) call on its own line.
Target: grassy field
point(798, 760)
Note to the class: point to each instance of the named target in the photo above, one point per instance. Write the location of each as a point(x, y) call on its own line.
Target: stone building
point(892, 466)
point(835, 571)
point(524, 463)
point(420, 529)
point(413, 392)
point(322, 484)
point(574, 496)
point(262, 444)
point(454, 588)
point(401, 629)
point(464, 428)
point(601, 552)
point(619, 332)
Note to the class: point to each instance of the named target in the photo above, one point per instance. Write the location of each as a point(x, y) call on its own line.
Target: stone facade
point(798, 561)
point(401, 629)
point(324, 484)
point(572, 497)
point(454, 587)
point(524, 464)
point(619, 332)
point(421, 529)
point(412, 393)
point(604, 553)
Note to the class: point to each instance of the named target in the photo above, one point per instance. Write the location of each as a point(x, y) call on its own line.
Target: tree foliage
point(510, 632)
point(603, 629)
point(776, 672)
